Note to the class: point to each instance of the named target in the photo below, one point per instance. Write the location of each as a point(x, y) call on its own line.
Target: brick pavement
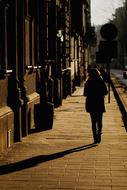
point(65, 158)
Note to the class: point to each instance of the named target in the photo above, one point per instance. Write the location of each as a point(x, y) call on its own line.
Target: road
point(119, 74)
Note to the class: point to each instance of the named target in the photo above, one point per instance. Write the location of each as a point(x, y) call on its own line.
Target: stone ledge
point(33, 96)
point(5, 110)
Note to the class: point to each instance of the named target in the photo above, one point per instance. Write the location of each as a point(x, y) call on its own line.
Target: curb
point(118, 90)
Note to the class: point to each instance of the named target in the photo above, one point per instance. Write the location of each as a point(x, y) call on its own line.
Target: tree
point(120, 20)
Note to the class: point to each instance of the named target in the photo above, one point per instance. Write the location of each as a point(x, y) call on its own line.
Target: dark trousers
point(96, 119)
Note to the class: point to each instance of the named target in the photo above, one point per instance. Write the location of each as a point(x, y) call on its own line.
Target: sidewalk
point(64, 158)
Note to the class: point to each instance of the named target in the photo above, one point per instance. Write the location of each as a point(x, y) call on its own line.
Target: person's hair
point(94, 74)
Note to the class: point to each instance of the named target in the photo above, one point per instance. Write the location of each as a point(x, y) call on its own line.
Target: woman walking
point(95, 90)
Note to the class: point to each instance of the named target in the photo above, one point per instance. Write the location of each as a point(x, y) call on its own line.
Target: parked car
point(125, 72)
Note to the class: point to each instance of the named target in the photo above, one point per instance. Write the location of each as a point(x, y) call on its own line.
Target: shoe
point(95, 141)
point(99, 139)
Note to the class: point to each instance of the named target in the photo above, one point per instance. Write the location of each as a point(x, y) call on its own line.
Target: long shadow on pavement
point(34, 161)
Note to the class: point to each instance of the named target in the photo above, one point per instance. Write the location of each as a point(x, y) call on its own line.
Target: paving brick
point(65, 157)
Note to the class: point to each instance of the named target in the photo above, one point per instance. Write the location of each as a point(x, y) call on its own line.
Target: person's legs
point(99, 124)
point(94, 129)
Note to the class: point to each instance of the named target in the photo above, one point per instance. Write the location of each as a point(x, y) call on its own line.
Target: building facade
point(43, 57)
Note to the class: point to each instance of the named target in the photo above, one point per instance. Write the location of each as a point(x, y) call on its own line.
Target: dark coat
point(95, 90)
